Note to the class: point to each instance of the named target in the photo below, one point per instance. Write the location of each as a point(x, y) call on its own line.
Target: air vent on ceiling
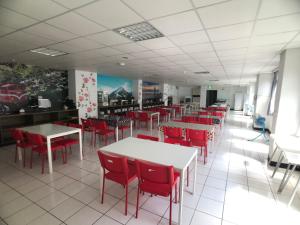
point(139, 32)
point(201, 72)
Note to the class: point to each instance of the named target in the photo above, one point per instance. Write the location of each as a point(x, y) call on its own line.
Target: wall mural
point(20, 86)
point(86, 94)
point(113, 88)
point(151, 90)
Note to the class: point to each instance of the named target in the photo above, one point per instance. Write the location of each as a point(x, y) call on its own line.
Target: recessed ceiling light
point(48, 51)
point(121, 63)
point(139, 32)
point(201, 72)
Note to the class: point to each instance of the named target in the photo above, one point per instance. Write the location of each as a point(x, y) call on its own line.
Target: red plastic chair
point(198, 138)
point(39, 146)
point(116, 169)
point(143, 117)
point(172, 133)
point(190, 119)
point(21, 142)
point(147, 137)
point(203, 113)
point(87, 127)
point(163, 115)
point(132, 115)
point(101, 129)
point(156, 180)
point(208, 121)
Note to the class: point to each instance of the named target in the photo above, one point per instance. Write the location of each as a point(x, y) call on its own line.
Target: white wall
point(263, 94)
point(287, 105)
point(183, 92)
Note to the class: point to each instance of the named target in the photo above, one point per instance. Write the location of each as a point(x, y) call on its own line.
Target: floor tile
point(118, 212)
point(46, 219)
point(52, 200)
point(104, 220)
point(66, 209)
point(145, 218)
point(211, 207)
point(200, 218)
point(14, 206)
point(86, 216)
point(87, 195)
point(108, 203)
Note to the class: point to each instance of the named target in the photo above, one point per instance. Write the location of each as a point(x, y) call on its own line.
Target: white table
point(289, 147)
point(161, 153)
point(50, 131)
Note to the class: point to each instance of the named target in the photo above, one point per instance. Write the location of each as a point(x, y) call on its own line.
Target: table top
point(49, 129)
point(153, 151)
point(288, 143)
point(184, 125)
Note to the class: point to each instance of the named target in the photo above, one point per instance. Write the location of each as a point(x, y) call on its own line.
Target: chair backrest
point(100, 125)
point(154, 173)
point(35, 139)
point(172, 132)
point(197, 136)
point(189, 119)
point(86, 122)
point(114, 164)
point(17, 135)
point(143, 116)
point(203, 113)
point(131, 115)
point(147, 137)
point(208, 121)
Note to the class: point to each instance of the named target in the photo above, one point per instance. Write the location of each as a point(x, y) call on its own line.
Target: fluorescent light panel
point(47, 51)
point(139, 32)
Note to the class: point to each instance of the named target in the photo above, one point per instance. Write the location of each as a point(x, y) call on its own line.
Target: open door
point(211, 97)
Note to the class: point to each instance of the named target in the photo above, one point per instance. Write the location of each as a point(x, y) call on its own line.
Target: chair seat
point(159, 189)
point(123, 127)
point(24, 145)
point(42, 149)
point(119, 178)
point(105, 132)
point(67, 142)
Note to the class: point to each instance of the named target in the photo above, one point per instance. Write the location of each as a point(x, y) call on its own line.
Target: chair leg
point(126, 199)
point(66, 155)
point(187, 176)
point(31, 159)
point(176, 190)
point(24, 157)
point(43, 163)
point(102, 198)
point(137, 202)
point(16, 154)
point(170, 215)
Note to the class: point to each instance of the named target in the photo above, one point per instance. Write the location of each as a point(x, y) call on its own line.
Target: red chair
point(21, 142)
point(190, 119)
point(163, 115)
point(203, 113)
point(87, 127)
point(208, 121)
point(174, 133)
point(39, 146)
point(198, 138)
point(132, 115)
point(101, 128)
point(147, 137)
point(116, 169)
point(143, 117)
point(156, 180)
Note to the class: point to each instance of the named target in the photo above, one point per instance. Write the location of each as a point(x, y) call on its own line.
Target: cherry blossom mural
point(86, 96)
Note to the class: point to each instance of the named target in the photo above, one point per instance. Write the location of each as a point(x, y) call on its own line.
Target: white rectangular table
point(161, 153)
point(50, 131)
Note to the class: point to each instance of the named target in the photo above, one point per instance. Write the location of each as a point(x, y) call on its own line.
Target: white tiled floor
point(233, 188)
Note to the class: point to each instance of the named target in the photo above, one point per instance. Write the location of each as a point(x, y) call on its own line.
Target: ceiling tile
point(41, 9)
point(145, 54)
point(278, 24)
point(231, 32)
point(271, 8)
point(11, 19)
point(73, 3)
point(157, 43)
point(201, 3)
point(157, 8)
point(130, 47)
point(231, 44)
point(179, 23)
point(231, 12)
point(5, 30)
point(189, 38)
point(9, 46)
point(101, 12)
point(231, 52)
point(272, 39)
point(75, 24)
point(29, 40)
point(76, 45)
point(50, 32)
point(109, 38)
point(108, 51)
point(197, 48)
point(169, 51)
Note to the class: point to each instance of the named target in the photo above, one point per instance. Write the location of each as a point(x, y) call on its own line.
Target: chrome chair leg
point(294, 192)
point(282, 186)
point(280, 158)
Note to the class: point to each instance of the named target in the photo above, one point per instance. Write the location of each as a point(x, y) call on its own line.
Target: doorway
point(211, 97)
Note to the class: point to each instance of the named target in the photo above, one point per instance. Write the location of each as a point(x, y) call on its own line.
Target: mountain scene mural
point(115, 88)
